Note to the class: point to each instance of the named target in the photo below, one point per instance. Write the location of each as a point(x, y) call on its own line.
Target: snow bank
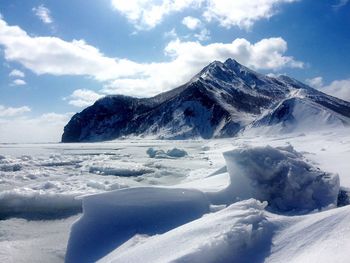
point(110, 219)
point(238, 233)
point(28, 203)
point(319, 237)
point(172, 153)
point(280, 176)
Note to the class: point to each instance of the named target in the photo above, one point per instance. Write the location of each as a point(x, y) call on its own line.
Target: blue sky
point(58, 57)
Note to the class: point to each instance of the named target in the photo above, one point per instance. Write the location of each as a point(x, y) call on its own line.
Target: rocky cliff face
point(219, 101)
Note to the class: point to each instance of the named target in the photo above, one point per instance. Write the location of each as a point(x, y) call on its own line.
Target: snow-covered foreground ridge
point(240, 223)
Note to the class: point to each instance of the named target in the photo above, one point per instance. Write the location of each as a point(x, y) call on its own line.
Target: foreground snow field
point(42, 188)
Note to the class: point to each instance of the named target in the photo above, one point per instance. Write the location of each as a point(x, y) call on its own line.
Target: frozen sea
point(42, 185)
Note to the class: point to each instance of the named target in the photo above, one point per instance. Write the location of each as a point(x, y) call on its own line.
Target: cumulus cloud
point(242, 13)
point(83, 97)
point(44, 128)
point(52, 55)
point(11, 111)
point(146, 14)
point(203, 34)
point(17, 74)
point(188, 58)
point(18, 82)
point(43, 13)
point(191, 23)
point(337, 88)
point(316, 82)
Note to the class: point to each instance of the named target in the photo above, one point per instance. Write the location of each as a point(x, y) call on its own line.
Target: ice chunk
point(175, 152)
point(161, 154)
point(10, 167)
point(152, 153)
point(205, 148)
point(120, 169)
point(280, 176)
point(112, 218)
point(29, 203)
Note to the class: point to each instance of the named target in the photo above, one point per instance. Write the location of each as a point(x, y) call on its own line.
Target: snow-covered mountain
point(220, 101)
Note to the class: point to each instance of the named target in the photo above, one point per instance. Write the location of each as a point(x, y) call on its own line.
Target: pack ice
point(236, 224)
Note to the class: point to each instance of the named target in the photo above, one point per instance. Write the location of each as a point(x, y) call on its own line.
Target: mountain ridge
point(220, 101)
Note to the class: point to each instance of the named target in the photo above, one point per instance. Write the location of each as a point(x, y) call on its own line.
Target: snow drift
point(245, 233)
point(239, 233)
point(110, 219)
point(280, 176)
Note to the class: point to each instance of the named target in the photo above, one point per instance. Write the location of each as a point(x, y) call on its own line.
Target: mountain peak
point(230, 62)
point(221, 100)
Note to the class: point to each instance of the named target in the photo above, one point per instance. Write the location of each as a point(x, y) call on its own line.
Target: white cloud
point(316, 82)
point(11, 111)
point(203, 35)
point(43, 13)
point(17, 73)
point(18, 82)
point(51, 55)
point(241, 13)
point(188, 58)
point(172, 34)
point(146, 14)
point(83, 97)
point(191, 23)
point(45, 128)
point(337, 88)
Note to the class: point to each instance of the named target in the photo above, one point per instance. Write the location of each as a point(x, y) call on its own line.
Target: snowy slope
point(218, 102)
point(298, 115)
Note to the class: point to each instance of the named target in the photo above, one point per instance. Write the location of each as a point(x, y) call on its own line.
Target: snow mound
point(238, 233)
point(120, 169)
point(319, 237)
point(161, 154)
point(112, 218)
point(280, 176)
point(33, 204)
